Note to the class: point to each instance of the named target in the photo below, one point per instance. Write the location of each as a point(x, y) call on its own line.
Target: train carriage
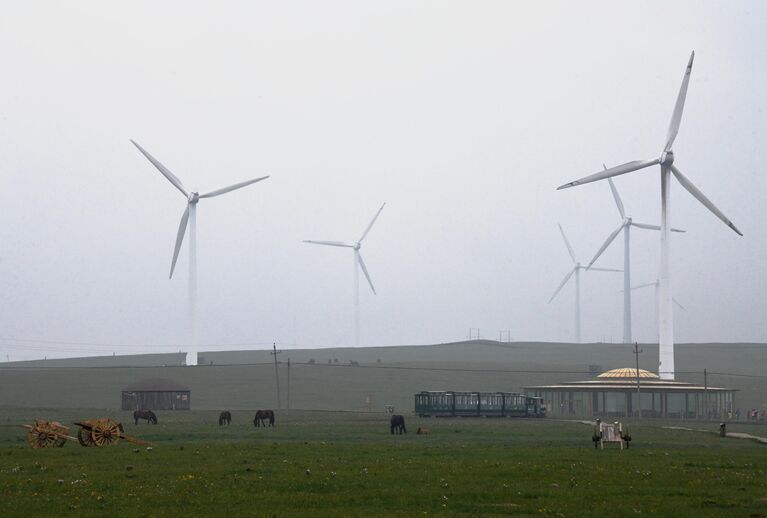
point(448, 403)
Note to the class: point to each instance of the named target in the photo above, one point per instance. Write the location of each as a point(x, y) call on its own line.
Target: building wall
point(156, 400)
point(655, 403)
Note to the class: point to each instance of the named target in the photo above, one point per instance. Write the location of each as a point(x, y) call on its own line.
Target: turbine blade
point(329, 243)
point(645, 285)
point(645, 226)
point(607, 242)
point(562, 285)
point(179, 239)
point(236, 186)
point(371, 224)
point(605, 269)
point(618, 201)
point(687, 184)
point(653, 227)
point(678, 304)
point(164, 170)
point(676, 117)
point(613, 171)
point(365, 271)
point(567, 244)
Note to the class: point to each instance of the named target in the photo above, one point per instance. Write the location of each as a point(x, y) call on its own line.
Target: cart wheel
point(106, 432)
point(84, 437)
point(41, 439)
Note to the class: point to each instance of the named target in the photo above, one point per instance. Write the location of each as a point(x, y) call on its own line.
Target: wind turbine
point(626, 223)
point(656, 284)
point(358, 262)
point(667, 168)
point(190, 216)
point(577, 267)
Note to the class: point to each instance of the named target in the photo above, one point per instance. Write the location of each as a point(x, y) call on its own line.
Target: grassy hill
point(382, 375)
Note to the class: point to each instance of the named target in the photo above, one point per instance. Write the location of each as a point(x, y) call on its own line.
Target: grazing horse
point(224, 417)
point(261, 415)
point(148, 415)
point(397, 422)
point(423, 431)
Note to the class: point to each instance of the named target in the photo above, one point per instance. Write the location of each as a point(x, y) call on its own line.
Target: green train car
point(448, 403)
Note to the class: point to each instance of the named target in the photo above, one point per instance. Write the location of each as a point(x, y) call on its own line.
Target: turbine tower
point(577, 267)
point(626, 223)
point(667, 168)
point(358, 263)
point(190, 217)
point(656, 284)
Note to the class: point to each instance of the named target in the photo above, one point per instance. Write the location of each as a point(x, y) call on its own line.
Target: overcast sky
point(462, 117)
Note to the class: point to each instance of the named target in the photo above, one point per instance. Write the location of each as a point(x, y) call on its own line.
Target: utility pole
point(705, 391)
point(288, 402)
point(275, 352)
point(636, 351)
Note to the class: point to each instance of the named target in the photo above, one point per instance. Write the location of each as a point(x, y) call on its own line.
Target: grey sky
point(463, 117)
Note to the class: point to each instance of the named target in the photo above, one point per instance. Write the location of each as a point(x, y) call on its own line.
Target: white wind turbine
point(626, 223)
point(190, 216)
point(357, 262)
point(577, 267)
point(667, 167)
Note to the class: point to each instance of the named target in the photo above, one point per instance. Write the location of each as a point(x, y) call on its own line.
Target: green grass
point(347, 464)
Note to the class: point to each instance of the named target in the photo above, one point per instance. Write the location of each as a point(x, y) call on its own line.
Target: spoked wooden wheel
point(84, 437)
point(105, 432)
point(41, 436)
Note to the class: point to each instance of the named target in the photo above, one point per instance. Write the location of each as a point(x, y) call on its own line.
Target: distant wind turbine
point(358, 262)
point(656, 284)
point(626, 223)
point(577, 267)
point(667, 167)
point(190, 216)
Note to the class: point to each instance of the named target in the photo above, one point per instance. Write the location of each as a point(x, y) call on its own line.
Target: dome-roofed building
point(156, 394)
point(617, 393)
point(628, 373)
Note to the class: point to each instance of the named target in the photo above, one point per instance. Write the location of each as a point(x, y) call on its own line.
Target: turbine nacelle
point(193, 197)
point(666, 159)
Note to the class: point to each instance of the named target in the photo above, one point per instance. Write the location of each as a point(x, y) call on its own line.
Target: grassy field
point(348, 464)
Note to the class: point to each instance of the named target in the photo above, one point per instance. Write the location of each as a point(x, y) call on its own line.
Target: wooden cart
point(47, 434)
point(104, 432)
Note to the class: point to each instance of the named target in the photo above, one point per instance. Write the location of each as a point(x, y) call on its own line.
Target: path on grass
point(734, 435)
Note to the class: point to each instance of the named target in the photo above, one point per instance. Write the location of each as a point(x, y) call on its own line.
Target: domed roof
point(627, 372)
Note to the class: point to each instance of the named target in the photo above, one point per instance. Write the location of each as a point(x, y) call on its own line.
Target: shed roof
point(156, 385)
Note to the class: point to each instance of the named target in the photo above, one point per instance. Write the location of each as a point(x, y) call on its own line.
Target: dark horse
point(397, 423)
point(224, 417)
point(145, 414)
point(261, 415)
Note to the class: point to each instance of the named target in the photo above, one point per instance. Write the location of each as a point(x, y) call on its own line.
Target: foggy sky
point(463, 117)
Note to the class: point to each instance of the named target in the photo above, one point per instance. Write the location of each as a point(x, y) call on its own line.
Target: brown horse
point(397, 422)
point(147, 415)
point(261, 415)
point(224, 417)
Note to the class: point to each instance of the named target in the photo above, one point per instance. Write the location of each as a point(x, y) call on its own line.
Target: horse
point(423, 431)
point(397, 422)
point(148, 415)
point(224, 417)
point(261, 415)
